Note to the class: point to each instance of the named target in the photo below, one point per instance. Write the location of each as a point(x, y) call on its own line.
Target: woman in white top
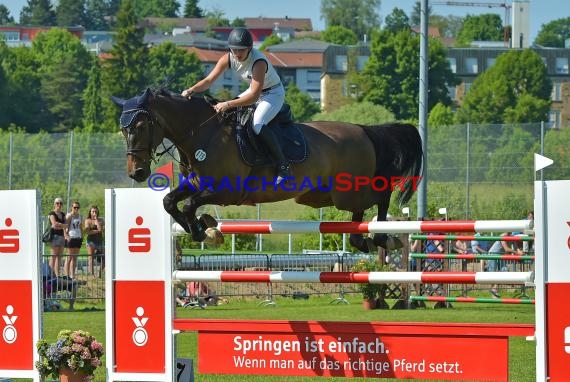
point(73, 239)
point(265, 90)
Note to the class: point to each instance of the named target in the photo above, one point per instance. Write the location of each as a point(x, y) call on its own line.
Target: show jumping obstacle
point(20, 303)
point(139, 295)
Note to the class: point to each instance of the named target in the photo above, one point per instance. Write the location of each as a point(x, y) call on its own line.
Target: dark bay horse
point(366, 157)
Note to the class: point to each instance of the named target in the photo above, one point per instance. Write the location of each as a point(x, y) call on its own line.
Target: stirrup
point(283, 173)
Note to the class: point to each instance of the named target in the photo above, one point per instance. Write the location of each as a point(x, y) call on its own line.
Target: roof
point(271, 22)
point(300, 45)
point(187, 39)
point(295, 60)
point(196, 24)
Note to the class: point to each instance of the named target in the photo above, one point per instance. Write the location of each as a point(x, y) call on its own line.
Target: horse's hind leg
point(383, 240)
point(357, 240)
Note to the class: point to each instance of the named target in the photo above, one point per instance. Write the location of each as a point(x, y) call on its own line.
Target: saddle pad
point(292, 142)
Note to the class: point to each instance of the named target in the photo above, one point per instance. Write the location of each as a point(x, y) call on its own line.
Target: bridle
point(130, 128)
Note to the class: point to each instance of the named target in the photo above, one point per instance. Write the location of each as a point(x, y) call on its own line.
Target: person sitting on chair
point(53, 284)
point(265, 90)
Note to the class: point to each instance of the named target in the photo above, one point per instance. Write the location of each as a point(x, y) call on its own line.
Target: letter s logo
point(139, 238)
point(9, 238)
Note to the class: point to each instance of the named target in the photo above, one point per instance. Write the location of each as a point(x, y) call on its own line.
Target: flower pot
point(67, 375)
point(369, 304)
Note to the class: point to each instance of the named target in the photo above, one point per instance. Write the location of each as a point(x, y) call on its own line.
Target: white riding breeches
point(267, 106)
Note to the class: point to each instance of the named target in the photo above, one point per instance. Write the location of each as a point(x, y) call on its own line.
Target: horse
point(368, 158)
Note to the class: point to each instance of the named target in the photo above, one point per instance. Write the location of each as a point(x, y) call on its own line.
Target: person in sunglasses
point(73, 239)
point(265, 91)
point(58, 225)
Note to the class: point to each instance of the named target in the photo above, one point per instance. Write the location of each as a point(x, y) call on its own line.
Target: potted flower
point(370, 292)
point(73, 357)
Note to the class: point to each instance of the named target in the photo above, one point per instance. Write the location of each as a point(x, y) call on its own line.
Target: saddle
point(252, 150)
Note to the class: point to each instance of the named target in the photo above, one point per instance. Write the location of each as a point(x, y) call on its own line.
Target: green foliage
point(556, 144)
point(485, 27)
point(554, 34)
point(336, 34)
point(330, 241)
point(397, 21)
point(191, 9)
point(270, 40)
point(124, 74)
point(180, 67)
point(95, 13)
point(5, 17)
point(440, 115)
point(518, 76)
point(156, 8)
point(365, 113)
point(360, 16)
point(92, 106)
point(303, 107)
point(38, 13)
point(390, 77)
point(70, 13)
point(416, 16)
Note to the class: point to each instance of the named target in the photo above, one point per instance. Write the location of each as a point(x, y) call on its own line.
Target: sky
point(541, 11)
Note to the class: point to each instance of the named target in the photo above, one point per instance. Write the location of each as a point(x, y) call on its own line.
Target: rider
point(265, 90)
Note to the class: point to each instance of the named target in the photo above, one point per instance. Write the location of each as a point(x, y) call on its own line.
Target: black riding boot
point(271, 142)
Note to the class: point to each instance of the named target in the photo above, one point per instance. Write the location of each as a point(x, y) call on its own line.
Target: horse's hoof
point(358, 242)
point(198, 231)
point(214, 237)
point(208, 221)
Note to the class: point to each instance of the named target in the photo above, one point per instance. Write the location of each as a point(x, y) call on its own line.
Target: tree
point(364, 113)
point(448, 26)
point(38, 12)
point(416, 16)
point(5, 17)
point(156, 8)
point(518, 76)
point(215, 18)
point(302, 105)
point(63, 66)
point(485, 27)
point(70, 13)
point(397, 21)
point(440, 115)
point(96, 12)
point(270, 40)
point(92, 107)
point(390, 77)
point(337, 34)
point(191, 9)
point(554, 34)
point(124, 72)
point(166, 61)
point(360, 16)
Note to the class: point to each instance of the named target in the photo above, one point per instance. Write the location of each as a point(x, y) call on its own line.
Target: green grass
point(521, 352)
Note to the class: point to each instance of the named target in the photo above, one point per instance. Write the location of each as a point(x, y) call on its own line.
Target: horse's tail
point(398, 148)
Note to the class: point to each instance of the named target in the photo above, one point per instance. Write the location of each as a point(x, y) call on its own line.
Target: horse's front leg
point(357, 240)
point(170, 203)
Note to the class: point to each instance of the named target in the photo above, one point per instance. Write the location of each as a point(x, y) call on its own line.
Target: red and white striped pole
point(511, 278)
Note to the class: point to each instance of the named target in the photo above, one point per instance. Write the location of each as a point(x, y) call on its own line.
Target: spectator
point(500, 247)
point(94, 226)
point(480, 247)
point(58, 225)
point(53, 284)
point(460, 247)
point(73, 239)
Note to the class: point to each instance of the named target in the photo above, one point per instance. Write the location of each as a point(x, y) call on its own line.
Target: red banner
point(16, 344)
point(430, 356)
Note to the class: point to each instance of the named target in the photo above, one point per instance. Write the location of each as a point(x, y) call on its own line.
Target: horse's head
point(142, 133)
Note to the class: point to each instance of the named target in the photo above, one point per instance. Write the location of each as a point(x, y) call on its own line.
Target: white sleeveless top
point(75, 227)
point(245, 68)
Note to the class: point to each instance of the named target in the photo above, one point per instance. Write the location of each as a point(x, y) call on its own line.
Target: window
point(554, 119)
point(452, 91)
point(561, 65)
point(341, 63)
point(555, 95)
point(287, 78)
point(471, 65)
point(452, 64)
point(10, 36)
point(491, 62)
point(360, 62)
point(228, 75)
point(313, 77)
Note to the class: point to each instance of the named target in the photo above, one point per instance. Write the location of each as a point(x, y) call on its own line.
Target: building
point(21, 35)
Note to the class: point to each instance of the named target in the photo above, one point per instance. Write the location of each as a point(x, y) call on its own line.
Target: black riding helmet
point(240, 38)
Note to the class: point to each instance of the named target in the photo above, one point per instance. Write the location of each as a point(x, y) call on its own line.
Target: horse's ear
point(118, 101)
